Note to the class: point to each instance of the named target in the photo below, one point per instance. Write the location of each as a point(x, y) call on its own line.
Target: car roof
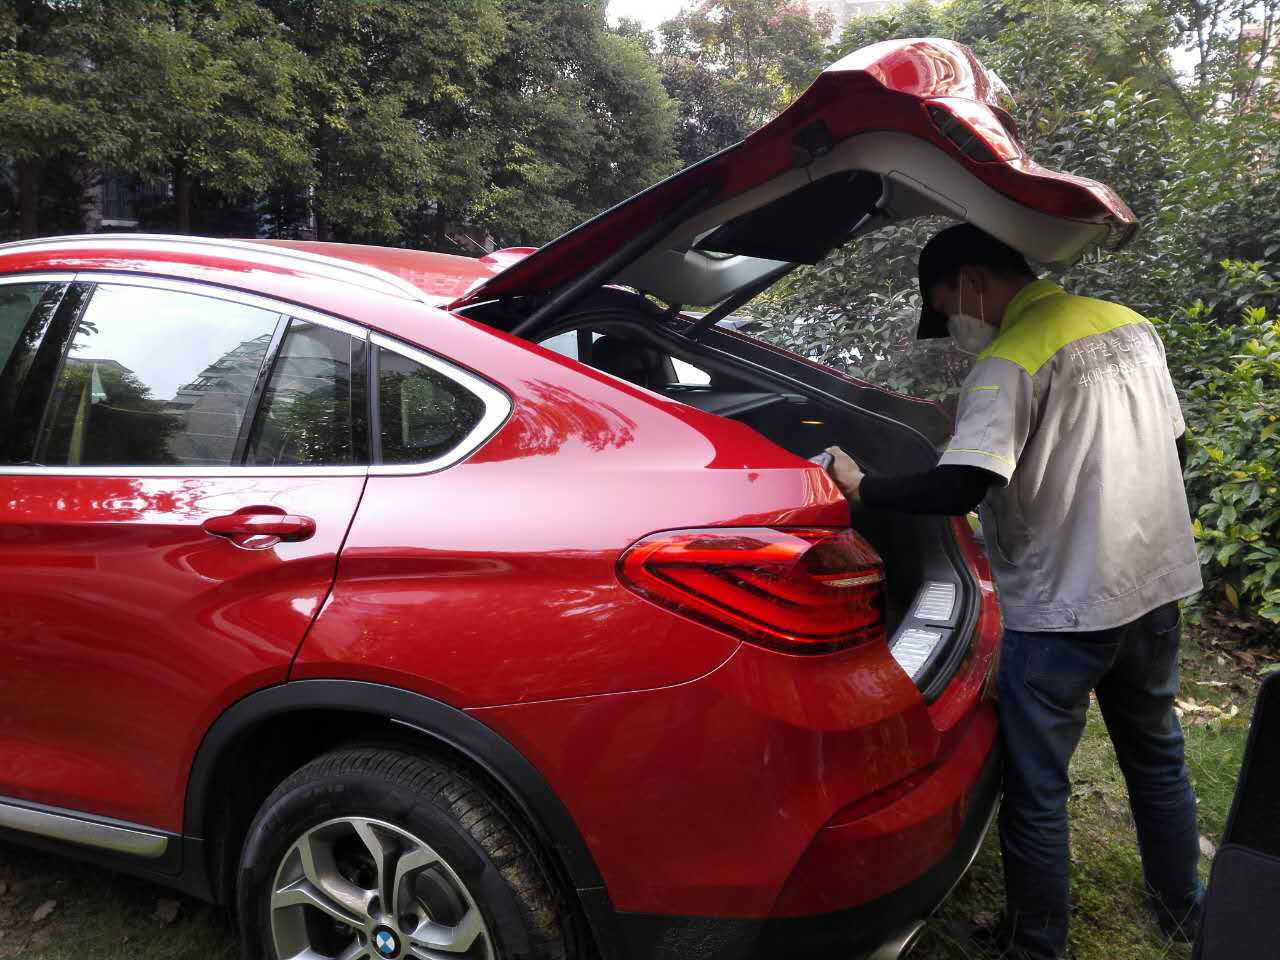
point(440, 277)
point(422, 276)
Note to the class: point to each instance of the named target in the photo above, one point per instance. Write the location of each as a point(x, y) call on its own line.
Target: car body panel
point(725, 782)
point(441, 277)
point(126, 628)
point(585, 466)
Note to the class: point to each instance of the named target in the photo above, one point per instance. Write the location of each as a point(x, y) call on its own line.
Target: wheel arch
point(383, 712)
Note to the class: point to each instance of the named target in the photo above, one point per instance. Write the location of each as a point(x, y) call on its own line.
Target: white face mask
point(971, 334)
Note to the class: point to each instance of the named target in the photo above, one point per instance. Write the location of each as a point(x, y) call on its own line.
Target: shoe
point(1179, 929)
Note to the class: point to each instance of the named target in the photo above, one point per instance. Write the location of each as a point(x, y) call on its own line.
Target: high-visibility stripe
point(981, 453)
point(1043, 319)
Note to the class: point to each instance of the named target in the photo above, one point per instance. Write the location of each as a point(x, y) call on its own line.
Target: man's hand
point(846, 473)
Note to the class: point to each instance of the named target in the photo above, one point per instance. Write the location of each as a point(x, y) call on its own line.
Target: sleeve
point(1171, 402)
point(994, 418)
point(944, 491)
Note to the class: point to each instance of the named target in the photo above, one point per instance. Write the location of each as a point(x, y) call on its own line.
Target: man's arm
point(946, 490)
point(950, 491)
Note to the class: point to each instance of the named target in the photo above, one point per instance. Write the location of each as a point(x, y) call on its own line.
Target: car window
point(565, 344)
point(422, 413)
point(689, 375)
point(17, 302)
point(155, 378)
point(305, 416)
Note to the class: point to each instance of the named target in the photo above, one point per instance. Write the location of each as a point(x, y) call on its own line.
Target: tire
point(461, 866)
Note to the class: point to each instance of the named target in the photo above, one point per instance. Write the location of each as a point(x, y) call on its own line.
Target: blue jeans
point(1044, 682)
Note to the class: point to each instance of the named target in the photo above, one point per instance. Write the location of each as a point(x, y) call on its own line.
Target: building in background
point(1258, 37)
point(114, 201)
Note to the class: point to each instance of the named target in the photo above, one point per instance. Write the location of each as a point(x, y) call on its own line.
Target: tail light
point(797, 590)
point(974, 128)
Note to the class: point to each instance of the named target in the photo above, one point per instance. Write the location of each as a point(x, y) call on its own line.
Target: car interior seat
point(635, 362)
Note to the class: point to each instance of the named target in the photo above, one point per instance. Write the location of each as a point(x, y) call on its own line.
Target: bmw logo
point(386, 942)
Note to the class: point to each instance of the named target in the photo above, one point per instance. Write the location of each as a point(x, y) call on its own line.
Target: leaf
point(43, 911)
point(1245, 657)
point(1268, 669)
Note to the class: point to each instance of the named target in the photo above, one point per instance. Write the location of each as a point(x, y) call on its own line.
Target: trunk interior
point(931, 597)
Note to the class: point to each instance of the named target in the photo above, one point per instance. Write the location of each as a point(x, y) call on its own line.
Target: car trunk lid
point(894, 131)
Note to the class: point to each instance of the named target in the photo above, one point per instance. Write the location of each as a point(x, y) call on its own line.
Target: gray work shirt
point(1072, 405)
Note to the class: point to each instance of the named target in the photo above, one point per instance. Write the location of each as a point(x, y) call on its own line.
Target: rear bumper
point(859, 931)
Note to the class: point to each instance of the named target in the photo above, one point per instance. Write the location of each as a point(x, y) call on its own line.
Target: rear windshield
point(857, 310)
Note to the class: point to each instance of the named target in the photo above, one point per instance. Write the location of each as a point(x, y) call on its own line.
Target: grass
point(98, 915)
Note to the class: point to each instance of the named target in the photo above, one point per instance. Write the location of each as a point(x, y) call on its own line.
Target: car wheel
point(373, 853)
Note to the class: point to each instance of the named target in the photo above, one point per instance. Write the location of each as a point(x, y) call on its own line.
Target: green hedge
point(1229, 377)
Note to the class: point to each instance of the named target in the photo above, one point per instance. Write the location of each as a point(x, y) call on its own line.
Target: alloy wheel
point(361, 889)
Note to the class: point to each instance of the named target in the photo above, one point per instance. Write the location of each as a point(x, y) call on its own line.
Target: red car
point(334, 590)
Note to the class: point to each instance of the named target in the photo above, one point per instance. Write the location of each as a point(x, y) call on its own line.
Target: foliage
point(577, 118)
point(389, 121)
point(387, 85)
point(857, 310)
point(202, 91)
point(1232, 41)
point(1230, 374)
point(732, 65)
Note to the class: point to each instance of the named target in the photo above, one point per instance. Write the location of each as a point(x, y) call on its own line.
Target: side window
point(155, 378)
point(689, 375)
point(18, 301)
point(565, 344)
point(305, 416)
point(422, 413)
point(26, 312)
point(629, 360)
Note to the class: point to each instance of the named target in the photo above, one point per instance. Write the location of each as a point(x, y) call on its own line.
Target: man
point(1069, 433)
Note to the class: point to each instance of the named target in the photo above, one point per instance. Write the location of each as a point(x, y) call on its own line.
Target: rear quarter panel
point(493, 582)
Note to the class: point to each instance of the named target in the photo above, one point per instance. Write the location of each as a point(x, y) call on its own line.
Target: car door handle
point(261, 526)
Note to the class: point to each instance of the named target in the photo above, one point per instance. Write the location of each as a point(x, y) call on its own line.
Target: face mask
point(971, 334)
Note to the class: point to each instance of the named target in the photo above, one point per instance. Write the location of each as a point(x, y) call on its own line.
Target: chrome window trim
point(178, 470)
point(57, 276)
point(497, 408)
point(99, 832)
point(385, 279)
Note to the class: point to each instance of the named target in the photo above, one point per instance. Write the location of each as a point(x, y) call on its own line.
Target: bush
point(1229, 377)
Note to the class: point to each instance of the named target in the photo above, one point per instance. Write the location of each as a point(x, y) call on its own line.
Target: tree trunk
point(28, 198)
point(438, 229)
point(182, 195)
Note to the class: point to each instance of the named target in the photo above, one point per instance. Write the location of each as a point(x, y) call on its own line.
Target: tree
point(199, 92)
point(390, 85)
point(733, 65)
point(1232, 40)
point(45, 114)
point(579, 119)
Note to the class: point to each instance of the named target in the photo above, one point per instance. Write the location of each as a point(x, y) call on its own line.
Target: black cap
point(959, 246)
